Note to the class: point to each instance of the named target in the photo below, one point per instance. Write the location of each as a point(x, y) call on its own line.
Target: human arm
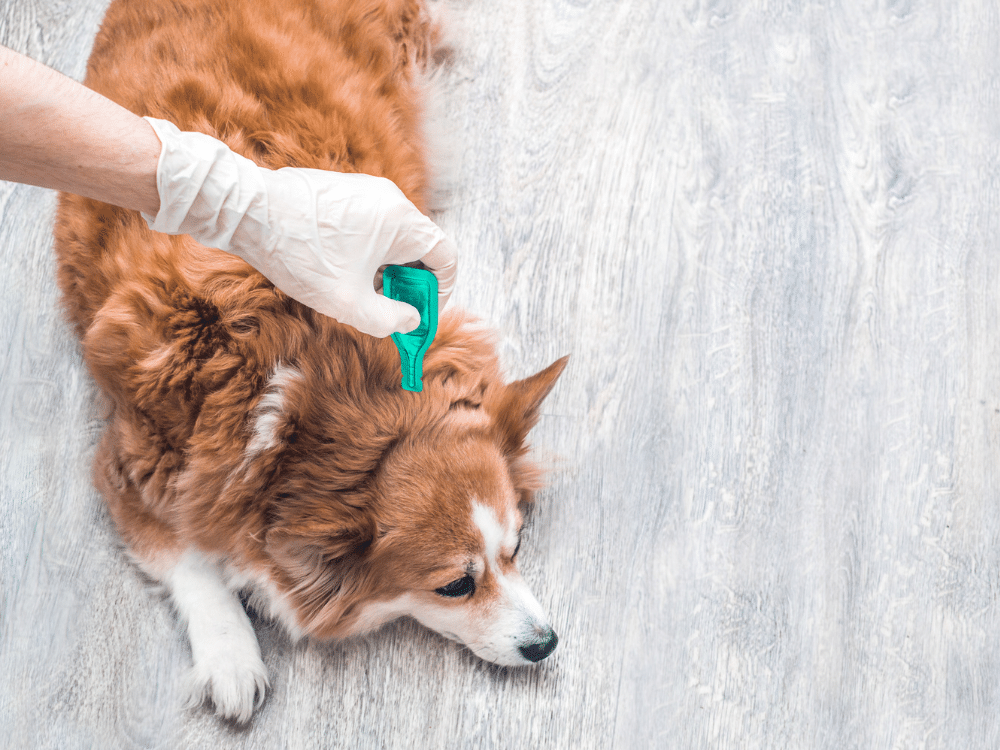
point(56, 133)
point(318, 236)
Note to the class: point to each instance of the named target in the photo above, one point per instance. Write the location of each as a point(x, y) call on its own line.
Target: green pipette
point(417, 287)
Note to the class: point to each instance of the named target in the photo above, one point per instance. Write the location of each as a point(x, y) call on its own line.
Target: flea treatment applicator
point(417, 287)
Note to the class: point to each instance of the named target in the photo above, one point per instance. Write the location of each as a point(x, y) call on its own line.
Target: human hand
point(319, 236)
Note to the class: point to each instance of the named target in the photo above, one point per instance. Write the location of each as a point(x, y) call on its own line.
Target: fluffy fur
point(253, 444)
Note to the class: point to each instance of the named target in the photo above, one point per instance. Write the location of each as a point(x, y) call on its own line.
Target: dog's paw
point(232, 676)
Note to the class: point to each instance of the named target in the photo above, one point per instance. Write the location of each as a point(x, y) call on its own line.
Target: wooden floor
point(769, 235)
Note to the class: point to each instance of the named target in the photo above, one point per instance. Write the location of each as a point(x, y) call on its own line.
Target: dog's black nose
point(541, 649)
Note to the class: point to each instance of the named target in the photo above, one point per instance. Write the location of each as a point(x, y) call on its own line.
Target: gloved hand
point(318, 236)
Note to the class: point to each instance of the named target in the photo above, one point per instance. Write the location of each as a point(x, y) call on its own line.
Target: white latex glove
point(318, 236)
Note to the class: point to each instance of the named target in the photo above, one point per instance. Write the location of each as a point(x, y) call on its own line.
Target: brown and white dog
point(254, 445)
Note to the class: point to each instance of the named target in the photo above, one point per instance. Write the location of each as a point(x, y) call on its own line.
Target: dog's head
point(413, 510)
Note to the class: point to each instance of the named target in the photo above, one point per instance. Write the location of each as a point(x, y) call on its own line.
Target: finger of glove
point(413, 235)
point(380, 316)
point(442, 260)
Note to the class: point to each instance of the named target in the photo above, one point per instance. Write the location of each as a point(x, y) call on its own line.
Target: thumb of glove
point(380, 316)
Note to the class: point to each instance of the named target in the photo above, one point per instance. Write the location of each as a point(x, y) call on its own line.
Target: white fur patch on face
point(271, 410)
point(497, 537)
point(488, 525)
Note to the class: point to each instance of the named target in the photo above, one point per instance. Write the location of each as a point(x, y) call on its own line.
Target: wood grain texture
point(767, 234)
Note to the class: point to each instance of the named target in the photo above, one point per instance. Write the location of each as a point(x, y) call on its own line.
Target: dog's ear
point(515, 409)
point(319, 546)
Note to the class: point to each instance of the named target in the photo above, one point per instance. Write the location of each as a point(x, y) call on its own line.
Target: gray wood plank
point(767, 234)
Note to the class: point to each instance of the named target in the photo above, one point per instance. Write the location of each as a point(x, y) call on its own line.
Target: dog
point(254, 446)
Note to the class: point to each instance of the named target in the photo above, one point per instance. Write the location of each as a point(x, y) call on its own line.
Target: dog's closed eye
point(461, 587)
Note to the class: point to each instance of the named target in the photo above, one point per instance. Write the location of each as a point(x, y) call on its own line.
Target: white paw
point(227, 667)
point(232, 675)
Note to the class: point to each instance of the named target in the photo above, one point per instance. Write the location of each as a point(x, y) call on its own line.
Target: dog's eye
point(516, 549)
point(461, 587)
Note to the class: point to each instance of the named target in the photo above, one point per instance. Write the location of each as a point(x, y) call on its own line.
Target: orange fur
point(365, 489)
